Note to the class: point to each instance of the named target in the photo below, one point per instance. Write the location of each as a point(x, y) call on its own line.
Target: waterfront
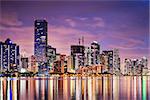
point(76, 88)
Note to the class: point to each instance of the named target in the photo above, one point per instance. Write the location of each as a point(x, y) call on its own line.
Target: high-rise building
point(69, 64)
point(9, 56)
point(116, 61)
point(34, 64)
point(135, 66)
point(51, 56)
point(95, 51)
point(127, 66)
point(104, 61)
point(24, 62)
point(109, 56)
point(131, 66)
point(87, 56)
point(144, 62)
point(60, 65)
point(40, 43)
point(77, 53)
point(63, 63)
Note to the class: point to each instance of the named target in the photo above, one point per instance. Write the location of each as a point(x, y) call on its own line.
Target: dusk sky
point(122, 25)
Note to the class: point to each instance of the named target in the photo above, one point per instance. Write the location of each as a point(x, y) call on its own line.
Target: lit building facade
point(77, 53)
point(108, 55)
point(24, 62)
point(87, 55)
point(34, 64)
point(95, 51)
point(144, 62)
point(69, 64)
point(9, 56)
point(51, 56)
point(40, 43)
point(60, 64)
point(104, 61)
point(135, 66)
point(116, 61)
point(130, 66)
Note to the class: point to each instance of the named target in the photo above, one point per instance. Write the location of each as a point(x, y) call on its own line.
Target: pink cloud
point(10, 19)
point(82, 18)
point(94, 22)
point(125, 41)
point(71, 22)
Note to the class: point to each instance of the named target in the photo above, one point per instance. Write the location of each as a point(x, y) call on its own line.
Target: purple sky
point(122, 25)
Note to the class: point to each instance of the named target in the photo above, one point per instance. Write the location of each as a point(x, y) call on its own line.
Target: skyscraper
point(116, 61)
point(95, 51)
point(77, 53)
point(9, 56)
point(109, 58)
point(34, 64)
point(51, 56)
point(87, 56)
point(40, 43)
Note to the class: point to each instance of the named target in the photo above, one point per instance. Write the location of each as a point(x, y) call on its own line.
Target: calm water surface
point(76, 88)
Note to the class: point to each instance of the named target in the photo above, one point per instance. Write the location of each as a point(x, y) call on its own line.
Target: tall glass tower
point(40, 43)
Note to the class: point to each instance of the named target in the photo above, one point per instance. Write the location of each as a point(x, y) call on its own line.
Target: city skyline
point(128, 31)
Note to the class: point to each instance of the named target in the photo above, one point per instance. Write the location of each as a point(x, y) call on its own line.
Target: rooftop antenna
point(79, 41)
point(83, 40)
point(23, 53)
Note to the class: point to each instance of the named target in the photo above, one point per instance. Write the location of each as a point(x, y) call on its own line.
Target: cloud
point(10, 19)
point(81, 22)
point(97, 22)
point(97, 18)
point(82, 18)
point(125, 41)
point(71, 22)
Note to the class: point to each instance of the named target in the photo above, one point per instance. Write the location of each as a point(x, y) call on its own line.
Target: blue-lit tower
point(40, 43)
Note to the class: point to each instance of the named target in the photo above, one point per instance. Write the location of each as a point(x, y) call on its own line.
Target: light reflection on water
point(76, 88)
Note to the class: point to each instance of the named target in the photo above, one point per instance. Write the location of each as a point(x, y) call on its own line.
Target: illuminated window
point(37, 23)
